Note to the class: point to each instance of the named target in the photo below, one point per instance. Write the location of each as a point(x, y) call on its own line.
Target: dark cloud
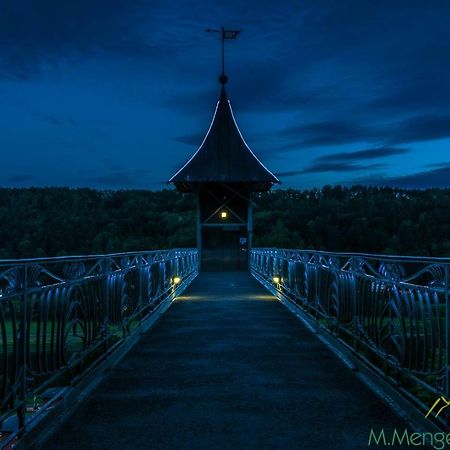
point(331, 167)
point(190, 139)
point(420, 96)
point(353, 72)
point(438, 165)
point(439, 178)
point(331, 132)
point(266, 86)
point(194, 101)
point(267, 93)
point(20, 178)
point(435, 178)
point(420, 128)
point(339, 167)
point(347, 161)
point(280, 100)
point(370, 153)
point(292, 173)
point(37, 33)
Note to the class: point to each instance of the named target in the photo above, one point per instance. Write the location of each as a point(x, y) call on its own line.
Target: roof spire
point(224, 34)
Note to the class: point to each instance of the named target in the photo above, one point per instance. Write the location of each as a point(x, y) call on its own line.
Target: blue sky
point(114, 95)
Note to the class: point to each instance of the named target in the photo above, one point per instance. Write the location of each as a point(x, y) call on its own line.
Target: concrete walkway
point(227, 367)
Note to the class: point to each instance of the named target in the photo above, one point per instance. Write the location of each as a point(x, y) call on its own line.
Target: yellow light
point(223, 215)
point(276, 279)
point(176, 280)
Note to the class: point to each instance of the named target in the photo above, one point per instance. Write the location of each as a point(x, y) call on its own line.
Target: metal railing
point(60, 316)
point(391, 312)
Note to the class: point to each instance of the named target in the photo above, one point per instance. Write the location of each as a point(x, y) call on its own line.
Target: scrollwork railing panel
point(58, 316)
point(391, 311)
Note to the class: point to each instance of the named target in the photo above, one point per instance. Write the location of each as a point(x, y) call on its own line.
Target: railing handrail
point(385, 257)
point(75, 258)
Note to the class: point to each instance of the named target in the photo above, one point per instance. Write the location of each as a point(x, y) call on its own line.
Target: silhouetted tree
point(60, 221)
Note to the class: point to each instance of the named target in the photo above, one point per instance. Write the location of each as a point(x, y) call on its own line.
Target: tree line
point(38, 222)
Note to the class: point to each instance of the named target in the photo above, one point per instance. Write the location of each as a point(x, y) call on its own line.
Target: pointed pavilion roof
point(224, 156)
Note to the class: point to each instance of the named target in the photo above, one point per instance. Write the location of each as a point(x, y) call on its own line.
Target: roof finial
point(224, 34)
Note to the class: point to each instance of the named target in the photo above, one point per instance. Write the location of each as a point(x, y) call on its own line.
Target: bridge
point(260, 348)
point(138, 350)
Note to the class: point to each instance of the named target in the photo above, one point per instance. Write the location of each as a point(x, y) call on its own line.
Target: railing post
point(337, 274)
point(354, 299)
point(140, 279)
point(316, 287)
point(106, 268)
point(21, 411)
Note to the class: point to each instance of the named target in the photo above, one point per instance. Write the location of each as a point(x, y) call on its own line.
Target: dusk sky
point(118, 95)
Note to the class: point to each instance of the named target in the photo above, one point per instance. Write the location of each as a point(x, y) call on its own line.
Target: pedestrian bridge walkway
point(227, 366)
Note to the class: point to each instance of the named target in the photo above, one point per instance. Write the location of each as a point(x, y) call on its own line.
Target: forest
point(37, 222)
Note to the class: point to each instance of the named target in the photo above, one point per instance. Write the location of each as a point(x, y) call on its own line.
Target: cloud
point(435, 178)
point(420, 128)
point(256, 86)
point(329, 132)
point(292, 173)
point(439, 165)
point(349, 131)
point(193, 101)
point(322, 74)
point(266, 86)
point(39, 33)
point(331, 167)
point(339, 167)
point(370, 153)
point(418, 97)
point(347, 161)
point(439, 178)
point(190, 139)
point(20, 178)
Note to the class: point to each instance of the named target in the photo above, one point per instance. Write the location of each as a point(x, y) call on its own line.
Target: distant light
point(223, 215)
point(176, 280)
point(276, 280)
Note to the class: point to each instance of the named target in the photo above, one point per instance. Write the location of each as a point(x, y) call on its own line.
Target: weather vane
point(224, 34)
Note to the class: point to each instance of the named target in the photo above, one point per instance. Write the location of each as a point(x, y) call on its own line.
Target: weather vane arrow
point(224, 34)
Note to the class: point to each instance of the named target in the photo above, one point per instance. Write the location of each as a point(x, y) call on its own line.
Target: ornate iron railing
point(61, 316)
point(392, 312)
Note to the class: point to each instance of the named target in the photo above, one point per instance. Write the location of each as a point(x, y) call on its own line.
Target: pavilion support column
point(249, 231)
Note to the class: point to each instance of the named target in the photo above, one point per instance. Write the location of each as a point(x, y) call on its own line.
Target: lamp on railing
point(132, 286)
point(364, 302)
